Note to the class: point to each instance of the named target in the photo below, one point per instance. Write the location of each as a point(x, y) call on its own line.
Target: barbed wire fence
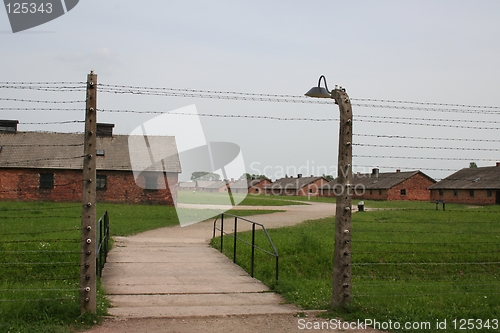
point(430, 254)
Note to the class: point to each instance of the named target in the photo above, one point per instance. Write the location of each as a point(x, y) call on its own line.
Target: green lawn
point(40, 256)
point(410, 263)
point(210, 198)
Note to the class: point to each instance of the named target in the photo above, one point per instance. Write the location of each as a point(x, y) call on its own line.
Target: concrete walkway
point(173, 273)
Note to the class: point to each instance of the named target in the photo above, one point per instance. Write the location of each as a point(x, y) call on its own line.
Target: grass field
point(40, 256)
point(411, 263)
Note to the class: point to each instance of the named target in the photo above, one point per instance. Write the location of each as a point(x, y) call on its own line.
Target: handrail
point(252, 244)
point(102, 244)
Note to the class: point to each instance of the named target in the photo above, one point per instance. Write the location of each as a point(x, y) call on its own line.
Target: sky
point(417, 51)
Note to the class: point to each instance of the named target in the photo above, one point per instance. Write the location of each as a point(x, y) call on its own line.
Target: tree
point(328, 177)
point(204, 175)
point(248, 176)
point(472, 165)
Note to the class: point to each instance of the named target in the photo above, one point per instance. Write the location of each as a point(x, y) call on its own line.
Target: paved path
point(173, 273)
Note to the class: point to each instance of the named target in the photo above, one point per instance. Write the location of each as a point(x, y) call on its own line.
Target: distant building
point(254, 186)
point(218, 186)
point(300, 186)
point(409, 185)
point(48, 166)
point(478, 186)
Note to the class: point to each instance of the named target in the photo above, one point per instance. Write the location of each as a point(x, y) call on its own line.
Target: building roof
point(217, 185)
point(204, 183)
point(187, 185)
point(379, 181)
point(48, 150)
point(245, 184)
point(292, 183)
point(487, 178)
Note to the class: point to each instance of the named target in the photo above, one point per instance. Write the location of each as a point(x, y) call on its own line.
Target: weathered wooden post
point(341, 284)
point(88, 270)
point(341, 293)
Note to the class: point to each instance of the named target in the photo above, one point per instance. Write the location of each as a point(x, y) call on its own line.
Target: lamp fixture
point(318, 91)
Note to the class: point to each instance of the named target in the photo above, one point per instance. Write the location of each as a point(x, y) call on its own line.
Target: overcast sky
point(419, 51)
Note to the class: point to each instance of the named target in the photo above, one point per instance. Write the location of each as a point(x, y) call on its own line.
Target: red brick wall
point(23, 185)
point(259, 187)
point(370, 194)
point(416, 189)
point(313, 188)
point(463, 196)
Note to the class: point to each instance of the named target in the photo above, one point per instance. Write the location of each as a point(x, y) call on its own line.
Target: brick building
point(46, 166)
point(301, 186)
point(478, 186)
point(253, 186)
point(409, 185)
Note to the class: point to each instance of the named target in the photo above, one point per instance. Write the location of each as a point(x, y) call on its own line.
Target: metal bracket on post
point(88, 294)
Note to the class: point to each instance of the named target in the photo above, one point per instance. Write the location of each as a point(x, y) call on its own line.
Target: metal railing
point(102, 244)
point(252, 244)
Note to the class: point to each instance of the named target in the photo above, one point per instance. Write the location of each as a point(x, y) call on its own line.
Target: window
point(441, 192)
point(489, 193)
point(371, 192)
point(471, 193)
point(100, 152)
point(47, 180)
point(380, 192)
point(151, 182)
point(455, 193)
point(403, 191)
point(100, 182)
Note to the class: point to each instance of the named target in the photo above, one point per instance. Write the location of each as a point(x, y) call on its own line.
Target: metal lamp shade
point(318, 92)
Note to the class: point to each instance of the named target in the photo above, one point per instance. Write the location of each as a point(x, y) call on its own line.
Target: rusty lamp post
point(341, 287)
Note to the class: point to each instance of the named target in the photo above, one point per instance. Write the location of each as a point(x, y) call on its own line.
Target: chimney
point(375, 172)
point(398, 170)
point(8, 126)
point(299, 175)
point(104, 130)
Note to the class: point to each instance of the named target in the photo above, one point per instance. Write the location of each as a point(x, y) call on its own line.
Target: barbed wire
point(44, 145)
point(42, 232)
point(389, 136)
point(72, 298)
point(39, 251)
point(42, 159)
point(39, 101)
point(62, 122)
point(49, 83)
point(425, 158)
point(424, 263)
point(41, 109)
point(139, 89)
point(358, 118)
point(424, 147)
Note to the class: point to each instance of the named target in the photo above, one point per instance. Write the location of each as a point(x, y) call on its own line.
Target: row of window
point(47, 181)
point(489, 193)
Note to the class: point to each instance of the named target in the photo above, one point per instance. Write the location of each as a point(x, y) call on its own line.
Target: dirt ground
point(281, 323)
